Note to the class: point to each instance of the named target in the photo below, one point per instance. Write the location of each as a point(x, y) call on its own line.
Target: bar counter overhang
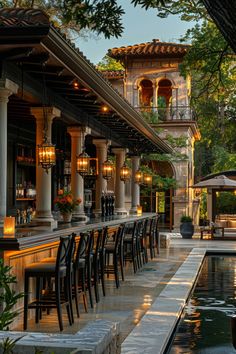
point(32, 237)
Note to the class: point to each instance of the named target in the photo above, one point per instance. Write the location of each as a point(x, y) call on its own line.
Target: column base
point(133, 211)
point(121, 211)
point(79, 217)
point(48, 222)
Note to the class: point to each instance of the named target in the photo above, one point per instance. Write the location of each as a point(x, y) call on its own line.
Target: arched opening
point(159, 198)
point(164, 98)
point(164, 93)
point(145, 93)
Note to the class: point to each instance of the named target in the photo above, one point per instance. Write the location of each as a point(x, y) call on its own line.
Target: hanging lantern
point(83, 164)
point(138, 178)
point(107, 169)
point(125, 173)
point(147, 179)
point(46, 155)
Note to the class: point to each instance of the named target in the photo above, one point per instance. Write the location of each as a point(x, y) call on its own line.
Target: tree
point(105, 16)
point(109, 64)
point(211, 64)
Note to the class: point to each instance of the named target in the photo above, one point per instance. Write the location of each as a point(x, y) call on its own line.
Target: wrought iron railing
point(156, 115)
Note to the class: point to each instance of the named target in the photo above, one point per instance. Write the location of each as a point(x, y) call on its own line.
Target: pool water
point(205, 326)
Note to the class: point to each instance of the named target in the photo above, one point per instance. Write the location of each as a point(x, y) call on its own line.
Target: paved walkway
point(137, 293)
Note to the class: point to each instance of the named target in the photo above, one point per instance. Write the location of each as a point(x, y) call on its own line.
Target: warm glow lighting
point(46, 155)
point(76, 85)
point(107, 169)
point(83, 164)
point(147, 179)
point(125, 173)
point(104, 108)
point(139, 210)
point(138, 177)
point(9, 226)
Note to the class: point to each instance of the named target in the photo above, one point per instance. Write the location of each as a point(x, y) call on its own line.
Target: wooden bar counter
point(31, 244)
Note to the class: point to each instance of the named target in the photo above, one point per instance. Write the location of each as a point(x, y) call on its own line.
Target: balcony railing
point(155, 115)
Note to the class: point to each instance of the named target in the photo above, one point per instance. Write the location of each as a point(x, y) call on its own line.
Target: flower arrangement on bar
point(66, 204)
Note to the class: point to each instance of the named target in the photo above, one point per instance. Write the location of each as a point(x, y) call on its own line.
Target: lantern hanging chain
point(45, 121)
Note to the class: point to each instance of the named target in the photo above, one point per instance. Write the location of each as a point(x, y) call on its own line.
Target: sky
point(140, 26)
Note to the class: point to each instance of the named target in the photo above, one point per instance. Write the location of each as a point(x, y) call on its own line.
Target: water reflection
point(205, 325)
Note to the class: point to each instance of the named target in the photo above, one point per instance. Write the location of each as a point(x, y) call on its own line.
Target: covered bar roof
point(33, 49)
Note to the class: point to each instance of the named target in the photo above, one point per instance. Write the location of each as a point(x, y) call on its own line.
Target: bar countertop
point(29, 236)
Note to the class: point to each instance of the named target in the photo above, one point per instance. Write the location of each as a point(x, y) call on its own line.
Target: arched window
point(164, 93)
point(145, 93)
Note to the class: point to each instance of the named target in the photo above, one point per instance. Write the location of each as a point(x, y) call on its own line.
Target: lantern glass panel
point(107, 169)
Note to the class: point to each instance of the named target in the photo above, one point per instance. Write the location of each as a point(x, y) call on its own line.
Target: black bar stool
point(60, 271)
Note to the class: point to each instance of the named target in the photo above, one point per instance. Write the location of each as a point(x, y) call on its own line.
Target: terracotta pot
point(67, 216)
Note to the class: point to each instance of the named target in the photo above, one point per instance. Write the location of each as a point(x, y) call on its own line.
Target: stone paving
point(144, 294)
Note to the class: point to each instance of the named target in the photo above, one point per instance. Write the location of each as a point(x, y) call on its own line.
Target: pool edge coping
point(154, 331)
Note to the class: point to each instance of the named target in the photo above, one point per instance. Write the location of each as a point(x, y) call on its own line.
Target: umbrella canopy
point(217, 182)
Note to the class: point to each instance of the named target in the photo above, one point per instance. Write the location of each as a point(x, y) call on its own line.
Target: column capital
point(78, 130)
point(39, 112)
point(120, 150)
point(7, 88)
point(101, 142)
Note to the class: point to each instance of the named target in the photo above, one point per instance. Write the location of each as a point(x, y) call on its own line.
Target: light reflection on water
point(205, 326)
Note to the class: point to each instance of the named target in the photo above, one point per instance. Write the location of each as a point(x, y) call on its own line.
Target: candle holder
point(9, 226)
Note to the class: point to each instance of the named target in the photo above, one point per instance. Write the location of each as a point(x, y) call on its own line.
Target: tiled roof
point(23, 17)
point(154, 48)
point(113, 74)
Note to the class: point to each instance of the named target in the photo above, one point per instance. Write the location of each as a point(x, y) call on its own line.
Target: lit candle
point(9, 226)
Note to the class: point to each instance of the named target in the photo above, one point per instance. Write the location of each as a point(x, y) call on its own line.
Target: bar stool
point(60, 271)
point(79, 273)
point(130, 246)
point(116, 250)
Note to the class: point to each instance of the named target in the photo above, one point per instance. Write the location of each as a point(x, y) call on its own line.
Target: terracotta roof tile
point(154, 48)
point(22, 17)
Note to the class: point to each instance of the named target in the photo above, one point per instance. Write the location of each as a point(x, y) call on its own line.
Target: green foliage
point(186, 218)
point(188, 10)
point(226, 203)
point(203, 206)
point(223, 160)
point(8, 345)
point(8, 297)
point(209, 61)
point(109, 64)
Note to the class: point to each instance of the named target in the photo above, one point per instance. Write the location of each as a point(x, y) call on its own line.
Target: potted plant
point(186, 226)
point(66, 204)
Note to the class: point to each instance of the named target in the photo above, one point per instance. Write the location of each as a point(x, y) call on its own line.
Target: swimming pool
point(204, 327)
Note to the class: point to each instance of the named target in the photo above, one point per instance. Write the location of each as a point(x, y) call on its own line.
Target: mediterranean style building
point(151, 81)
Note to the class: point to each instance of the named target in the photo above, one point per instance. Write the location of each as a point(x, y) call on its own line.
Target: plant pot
point(66, 216)
point(187, 229)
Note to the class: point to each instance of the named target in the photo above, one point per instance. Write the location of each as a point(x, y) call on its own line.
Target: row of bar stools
point(60, 270)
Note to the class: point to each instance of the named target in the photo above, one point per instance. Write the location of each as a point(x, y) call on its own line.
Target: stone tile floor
point(127, 304)
point(136, 294)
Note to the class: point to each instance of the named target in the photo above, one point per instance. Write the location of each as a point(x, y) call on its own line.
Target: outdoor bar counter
point(31, 244)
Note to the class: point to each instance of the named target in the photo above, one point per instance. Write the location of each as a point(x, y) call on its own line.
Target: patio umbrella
point(218, 182)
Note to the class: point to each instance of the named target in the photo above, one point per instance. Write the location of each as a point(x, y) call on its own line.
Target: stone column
point(119, 185)
point(44, 179)
point(77, 134)
point(135, 188)
point(154, 87)
point(101, 183)
point(7, 88)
